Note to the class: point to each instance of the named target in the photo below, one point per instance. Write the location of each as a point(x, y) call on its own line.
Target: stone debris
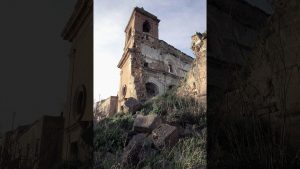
point(165, 135)
point(163, 164)
point(147, 167)
point(146, 123)
point(147, 153)
point(188, 130)
point(132, 150)
point(131, 105)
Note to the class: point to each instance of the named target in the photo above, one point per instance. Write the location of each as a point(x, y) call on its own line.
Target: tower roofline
point(142, 11)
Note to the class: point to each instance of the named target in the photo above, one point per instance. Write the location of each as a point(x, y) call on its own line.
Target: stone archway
point(79, 102)
point(146, 27)
point(151, 89)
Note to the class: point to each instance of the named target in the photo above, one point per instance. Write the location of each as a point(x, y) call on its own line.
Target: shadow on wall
point(254, 123)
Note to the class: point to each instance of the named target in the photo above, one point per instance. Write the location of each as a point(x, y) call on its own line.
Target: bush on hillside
point(111, 133)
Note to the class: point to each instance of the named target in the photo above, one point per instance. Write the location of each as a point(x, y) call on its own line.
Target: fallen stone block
point(131, 105)
point(163, 164)
point(131, 152)
point(165, 135)
point(146, 123)
point(147, 153)
point(146, 167)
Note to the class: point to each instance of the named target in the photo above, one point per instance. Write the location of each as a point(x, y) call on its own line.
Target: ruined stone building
point(228, 54)
point(149, 66)
point(78, 107)
point(108, 105)
point(35, 145)
point(195, 84)
point(253, 69)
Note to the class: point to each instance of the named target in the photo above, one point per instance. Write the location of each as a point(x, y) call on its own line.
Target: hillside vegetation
point(113, 136)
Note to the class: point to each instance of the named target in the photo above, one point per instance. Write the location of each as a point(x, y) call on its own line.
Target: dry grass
point(188, 153)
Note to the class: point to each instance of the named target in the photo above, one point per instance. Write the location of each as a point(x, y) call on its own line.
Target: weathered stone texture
point(149, 66)
point(268, 85)
point(195, 82)
point(277, 56)
point(146, 123)
point(165, 135)
point(132, 150)
point(106, 108)
point(236, 26)
point(131, 105)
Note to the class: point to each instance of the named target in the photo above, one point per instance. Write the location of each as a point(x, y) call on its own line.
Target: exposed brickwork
point(194, 84)
point(106, 108)
point(148, 60)
point(261, 66)
point(277, 56)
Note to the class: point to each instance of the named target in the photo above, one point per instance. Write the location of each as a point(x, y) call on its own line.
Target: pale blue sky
point(179, 20)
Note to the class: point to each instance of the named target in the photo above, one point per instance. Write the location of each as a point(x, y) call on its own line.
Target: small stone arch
point(171, 66)
point(79, 102)
point(146, 27)
point(151, 89)
point(124, 90)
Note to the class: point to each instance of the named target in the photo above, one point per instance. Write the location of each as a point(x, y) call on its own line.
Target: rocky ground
point(166, 132)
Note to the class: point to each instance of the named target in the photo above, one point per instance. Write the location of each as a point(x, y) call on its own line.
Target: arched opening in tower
point(146, 27)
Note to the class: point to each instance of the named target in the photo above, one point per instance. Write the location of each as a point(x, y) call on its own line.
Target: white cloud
point(180, 19)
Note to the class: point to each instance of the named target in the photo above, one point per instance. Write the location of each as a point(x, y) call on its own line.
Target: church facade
point(149, 66)
point(78, 106)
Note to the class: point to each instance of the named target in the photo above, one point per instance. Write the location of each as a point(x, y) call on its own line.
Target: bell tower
point(141, 21)
point(141, 24)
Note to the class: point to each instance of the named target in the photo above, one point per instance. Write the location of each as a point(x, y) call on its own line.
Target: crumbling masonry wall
point(261, 66)
point(106, 108)
point(149, 66)
point(195, 83)
point(150, 60)
point(277, 90)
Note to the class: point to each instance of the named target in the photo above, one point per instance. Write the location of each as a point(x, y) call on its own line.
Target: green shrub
point(111, 133)
point(175, 109)
point(250, 142)
point(188, 153)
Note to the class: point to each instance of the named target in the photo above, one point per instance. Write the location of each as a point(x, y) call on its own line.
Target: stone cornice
point(163, 72)
point(124, 57)
point(138, 36)
point(164, 46)
point(185, 57)
point(82, 10)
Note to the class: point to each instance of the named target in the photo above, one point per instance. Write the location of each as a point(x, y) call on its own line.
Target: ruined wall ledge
point(163, 72)
point(161, 44)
